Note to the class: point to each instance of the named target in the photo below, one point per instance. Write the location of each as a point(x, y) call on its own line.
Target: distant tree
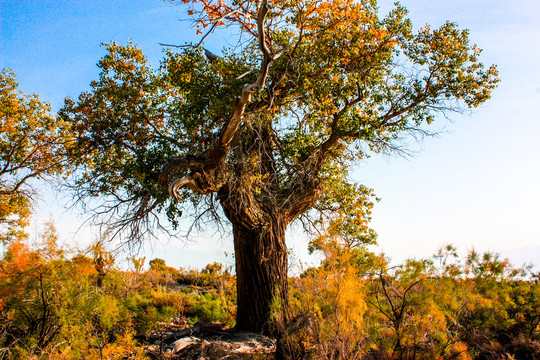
point(31, 147)
point(157, 264)
point(327, 82)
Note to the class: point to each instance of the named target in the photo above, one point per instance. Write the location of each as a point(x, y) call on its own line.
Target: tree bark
point(261, 273)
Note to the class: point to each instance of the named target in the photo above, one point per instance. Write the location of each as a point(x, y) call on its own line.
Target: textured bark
point(261, 269)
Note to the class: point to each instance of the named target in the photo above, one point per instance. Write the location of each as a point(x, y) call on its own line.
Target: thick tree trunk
point(261, 270)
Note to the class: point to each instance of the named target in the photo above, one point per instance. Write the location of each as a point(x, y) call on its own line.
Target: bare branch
point(176, 186)
point(211, 30)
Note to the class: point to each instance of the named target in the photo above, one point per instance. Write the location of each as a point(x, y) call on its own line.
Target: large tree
point(327, 82)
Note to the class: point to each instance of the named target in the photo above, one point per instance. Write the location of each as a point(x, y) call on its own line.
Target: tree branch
point(210, 159)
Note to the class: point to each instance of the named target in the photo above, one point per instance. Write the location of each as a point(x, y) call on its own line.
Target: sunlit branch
point(212, 157)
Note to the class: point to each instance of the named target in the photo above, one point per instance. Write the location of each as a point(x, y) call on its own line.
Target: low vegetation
point(356, 306)
point(58, 303)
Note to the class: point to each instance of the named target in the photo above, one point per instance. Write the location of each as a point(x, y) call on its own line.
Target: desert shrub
point(160, 274)
point(355, 306)
point(212, 275)
point(150, 307)
point(211, 292)
point(328, 306)
point(211, 307)
point(53, 307)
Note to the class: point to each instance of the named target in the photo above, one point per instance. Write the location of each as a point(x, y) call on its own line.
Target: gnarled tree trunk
point(261, 267)
point(261, 271)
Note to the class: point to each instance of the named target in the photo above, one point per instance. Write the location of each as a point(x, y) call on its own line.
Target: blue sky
point(476, 185)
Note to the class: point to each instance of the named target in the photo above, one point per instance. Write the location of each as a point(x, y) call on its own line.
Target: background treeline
point(57, 303)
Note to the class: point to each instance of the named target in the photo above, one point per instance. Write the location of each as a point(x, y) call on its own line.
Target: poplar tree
point(266, 133)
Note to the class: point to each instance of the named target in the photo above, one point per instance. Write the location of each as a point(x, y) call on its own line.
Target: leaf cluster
point(32, 146)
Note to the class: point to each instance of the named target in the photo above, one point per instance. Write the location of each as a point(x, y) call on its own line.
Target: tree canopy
point(270, 128)
point(31, 146)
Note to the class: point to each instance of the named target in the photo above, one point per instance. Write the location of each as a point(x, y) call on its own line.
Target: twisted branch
point(210, 159)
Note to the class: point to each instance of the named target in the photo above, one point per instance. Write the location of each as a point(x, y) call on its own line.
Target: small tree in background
point(157, 264)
